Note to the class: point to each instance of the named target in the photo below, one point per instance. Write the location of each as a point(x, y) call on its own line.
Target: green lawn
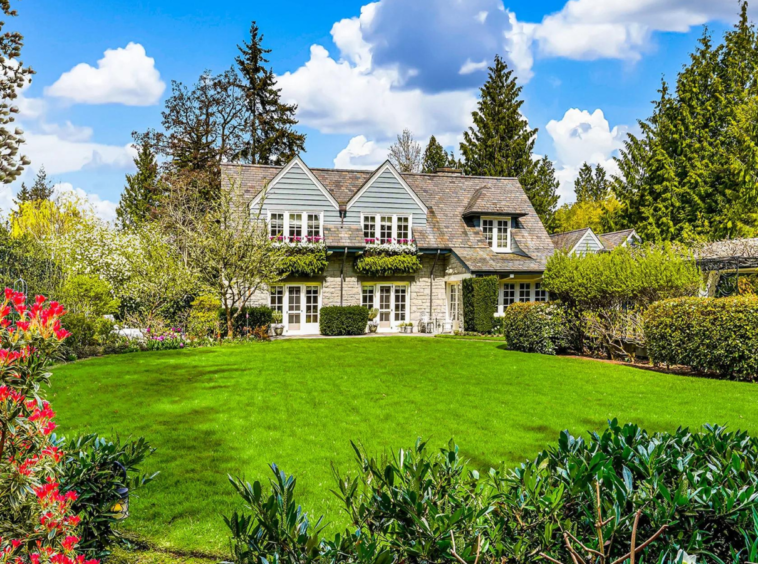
point(298, 403)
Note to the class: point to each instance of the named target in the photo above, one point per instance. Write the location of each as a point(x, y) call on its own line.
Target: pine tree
point(42, 189)
point(435, 157)
point(269, 122)
point(542, 190)
point(500, 142)
point(590, 186)
point(142, 194)
point(24, 195)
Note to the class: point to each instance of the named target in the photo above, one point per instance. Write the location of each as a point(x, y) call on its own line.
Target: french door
point(300, 305)
point(392, 303)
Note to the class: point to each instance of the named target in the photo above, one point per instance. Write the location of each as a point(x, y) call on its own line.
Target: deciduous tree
point(405, 153)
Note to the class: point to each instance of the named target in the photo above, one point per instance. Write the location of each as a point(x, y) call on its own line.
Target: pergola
point(727, 260)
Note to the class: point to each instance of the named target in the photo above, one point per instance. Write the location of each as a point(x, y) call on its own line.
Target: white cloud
point(579, 137)
point(361, 153)
point(123, 76)
point(104, 209)
point(481, 17)
point(470, 66)
point(348, 38)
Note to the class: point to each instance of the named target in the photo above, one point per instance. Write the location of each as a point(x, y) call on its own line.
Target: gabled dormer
point(386, 207)
point(489, 211)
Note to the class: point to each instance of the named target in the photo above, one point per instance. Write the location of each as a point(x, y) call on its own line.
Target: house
point(458, 226)
point(585, 240)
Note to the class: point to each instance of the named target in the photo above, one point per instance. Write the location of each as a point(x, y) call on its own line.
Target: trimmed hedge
point(257, 317)
point(479, 303)
point(535, 327)
point(708, 334)
point(343, 320)
point(387, 265)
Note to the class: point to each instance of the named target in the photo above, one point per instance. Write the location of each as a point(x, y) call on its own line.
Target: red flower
point(70, 542)
point(23, 325)
point(16, 543)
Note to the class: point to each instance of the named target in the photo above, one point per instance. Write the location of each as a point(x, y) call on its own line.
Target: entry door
point(294, 308)
point(312, 302)
point(385, 306)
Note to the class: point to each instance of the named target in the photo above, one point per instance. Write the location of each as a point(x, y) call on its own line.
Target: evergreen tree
point(500, 142)
point(42, 189)
point(142, 193)
point(590, 186)
point(542, 190)
point(435, 157)
point(270, 137)
point(24, 195)
point(688, 175)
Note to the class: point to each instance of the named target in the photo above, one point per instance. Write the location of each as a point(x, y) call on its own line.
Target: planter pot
point(406, 329)
point(372, 326)
point(278, 329)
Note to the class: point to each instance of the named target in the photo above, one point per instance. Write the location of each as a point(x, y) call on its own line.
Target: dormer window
point(497, 232)
point(381, 228)
point(295, 226)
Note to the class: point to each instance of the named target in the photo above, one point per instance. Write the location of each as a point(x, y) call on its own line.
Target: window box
point(304, 258)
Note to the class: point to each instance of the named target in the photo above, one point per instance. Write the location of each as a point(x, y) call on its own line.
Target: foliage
point(343, 320)
point(479, 303)
point(97, 470)
point(142, 194)
point(14, 76)
point(707, 334)
point(246, 318)
point(277, 317)
point(387, 265)
point(601, 215)
point(535, 327)
point(542, 190)
point(591, 187)
point(25, 258)
point(88, 335)
point(267, 121)
point(44, 220)
point(373, 313)
point(37, 524)
point(689, 175)
point(90, 296)
point(685, 492)
point(42, 189)
point(203, 319)
point(304, 261)
point(435, 157)
point(405, 153)
point(164, 339)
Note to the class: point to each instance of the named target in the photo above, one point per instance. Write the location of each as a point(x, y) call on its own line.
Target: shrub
point(387, 265)
point(693, 492)
point(203, 320)
point(343, 320)
point(479, 303)
point(89, 296)
point(98, 470)
point(248, 320)
point(535, 327)
point(707, 334)
point(90, 336)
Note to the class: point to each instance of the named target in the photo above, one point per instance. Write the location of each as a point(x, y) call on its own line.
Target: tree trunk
point(229, 323)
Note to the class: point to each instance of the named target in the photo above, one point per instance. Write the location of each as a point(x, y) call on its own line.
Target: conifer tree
point(542, 191)
point(41, 189)
point(270, 137)
point(435, 156)
point(500, 142)
point(591, 186)
point(142, 193)
point(24, 195)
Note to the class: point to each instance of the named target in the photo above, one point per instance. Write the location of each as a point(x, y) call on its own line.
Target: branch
point(553, 560)
point(633, 551)
point(589, 550)
point(478, 549)
point(642, 546)
point(2, 440)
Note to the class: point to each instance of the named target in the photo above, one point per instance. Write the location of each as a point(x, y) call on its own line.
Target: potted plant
point(406, 327)
point(373, 324)
point(278, 326)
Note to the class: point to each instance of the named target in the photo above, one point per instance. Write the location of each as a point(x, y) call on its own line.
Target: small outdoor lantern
point(120, 509)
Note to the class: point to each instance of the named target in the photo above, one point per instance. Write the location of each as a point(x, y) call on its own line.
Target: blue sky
point(359, 71)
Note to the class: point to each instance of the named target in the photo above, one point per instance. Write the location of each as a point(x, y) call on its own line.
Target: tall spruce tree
point(269, 134)
point(141, 196)
point(435, 156)
point(690, 173)
point(41, 189)
point(542, 191)
point(591, 186)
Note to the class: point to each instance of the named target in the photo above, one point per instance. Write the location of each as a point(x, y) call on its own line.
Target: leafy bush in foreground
point(708, 334)
point(343, 320)
point(535, 327)
point(673, 493)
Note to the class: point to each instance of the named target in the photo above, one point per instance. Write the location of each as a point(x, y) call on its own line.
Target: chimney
point(448, 170)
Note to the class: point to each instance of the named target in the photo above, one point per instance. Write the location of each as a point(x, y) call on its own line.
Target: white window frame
point(377, 224)
point(393, 310)
point(495, 232)
point(304, 222)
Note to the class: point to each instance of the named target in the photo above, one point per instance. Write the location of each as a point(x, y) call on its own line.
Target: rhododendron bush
point(37, 525)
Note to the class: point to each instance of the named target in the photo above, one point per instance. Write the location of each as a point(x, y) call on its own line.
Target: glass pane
point(455, 302)
point(277, 298)
point(294, 304)
point(540, 295)
point(276, 225)
point(367, 298)
point(509, 294)
point(385, 303)
point(487, 227)
point(403, 229)
point(385, 229)
point(314, 225)
point(311, 304)
point(296, 225)
point(400, 303)
point(369, 227)
point(524, 292)
point(502, 234)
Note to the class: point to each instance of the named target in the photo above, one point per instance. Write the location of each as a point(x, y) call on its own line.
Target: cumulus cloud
point(104, 209)
point(361, 153)
point(579, 137)
point(123, 76)
point(68, 149)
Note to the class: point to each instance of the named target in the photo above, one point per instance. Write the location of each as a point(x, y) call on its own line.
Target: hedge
point(387, 265)
point(717, 335)
point(535, 327)
point(479, 303)
point(343, 320)
point(256, 317)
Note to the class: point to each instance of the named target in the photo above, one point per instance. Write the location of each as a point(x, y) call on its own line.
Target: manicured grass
point(498, 338)
point(298, 403)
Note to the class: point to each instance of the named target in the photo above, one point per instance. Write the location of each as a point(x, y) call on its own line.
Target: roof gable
point(383, 171)
point(293, 167)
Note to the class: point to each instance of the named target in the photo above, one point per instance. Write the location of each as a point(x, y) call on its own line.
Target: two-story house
point(461, 226)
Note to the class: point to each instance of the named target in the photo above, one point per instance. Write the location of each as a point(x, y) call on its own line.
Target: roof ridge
point(575, 231)
point(614, 232)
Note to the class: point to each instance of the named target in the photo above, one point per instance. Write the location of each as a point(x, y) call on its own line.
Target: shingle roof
point(489, 200)
point(344, 236)
point(727, 249)
point(568, 240)
point(447, 196)
point(614, 239)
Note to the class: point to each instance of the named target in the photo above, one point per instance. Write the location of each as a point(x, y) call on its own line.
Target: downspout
point(431, 284)
point(342, 275)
